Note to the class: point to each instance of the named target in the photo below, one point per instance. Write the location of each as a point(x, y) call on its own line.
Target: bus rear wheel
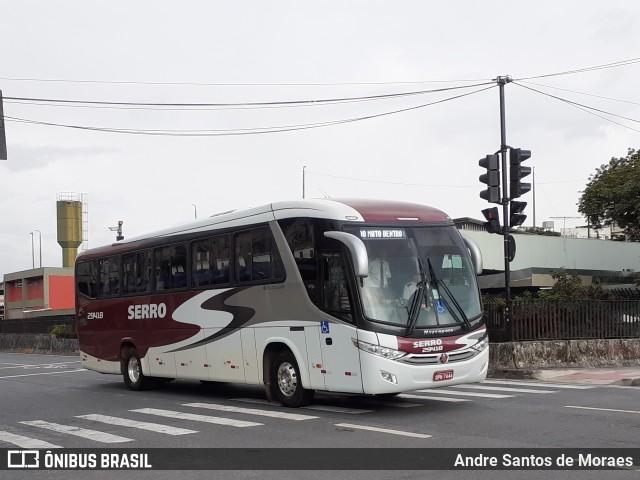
point(287, 383)
point(134, 379)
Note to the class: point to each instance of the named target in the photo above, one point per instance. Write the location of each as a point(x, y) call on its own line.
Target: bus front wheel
point(287, 383)
point(132, 371)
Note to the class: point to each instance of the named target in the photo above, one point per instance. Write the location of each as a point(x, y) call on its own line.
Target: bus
point(290, 297)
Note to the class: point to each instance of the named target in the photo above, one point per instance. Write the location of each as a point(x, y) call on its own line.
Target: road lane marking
point(43, 373)
point(94, 435)
point(196, 418)
point(124, 422)
point(465, 394)
point(251, 411)
point(25, 442)
point(504, 389)
point(382, 430)
point(429, 397)
point(603, 409)
point(539, 384)
point(321, 408)
point(36, 365)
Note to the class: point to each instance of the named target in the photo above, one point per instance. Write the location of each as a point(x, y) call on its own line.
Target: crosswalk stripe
point(465, 394)
point(322, 408)
point(391, 403)
point(94, 435)
point(25, 442)
point(504, 389)
point(196, 418)
point(123, 422)
point(526, 383)
point(251, 411)
point(383, 430)
point(429, 397)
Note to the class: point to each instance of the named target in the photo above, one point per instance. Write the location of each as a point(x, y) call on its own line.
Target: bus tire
point(134, 379)
point(286, 381)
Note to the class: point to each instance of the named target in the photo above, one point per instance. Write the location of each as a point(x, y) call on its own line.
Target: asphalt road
point(49, 401)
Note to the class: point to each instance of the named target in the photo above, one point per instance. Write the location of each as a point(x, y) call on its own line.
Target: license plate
point(443, 375)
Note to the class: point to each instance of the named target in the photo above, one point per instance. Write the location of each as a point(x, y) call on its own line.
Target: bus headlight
point(482, 344)
point(384, 352)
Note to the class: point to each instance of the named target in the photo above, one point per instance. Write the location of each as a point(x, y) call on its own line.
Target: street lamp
point(33, 258)
point(40, 240)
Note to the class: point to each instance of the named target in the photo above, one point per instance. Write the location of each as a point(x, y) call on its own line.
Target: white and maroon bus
point(358, 296)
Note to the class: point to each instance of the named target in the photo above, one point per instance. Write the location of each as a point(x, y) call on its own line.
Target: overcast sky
point(248, 52)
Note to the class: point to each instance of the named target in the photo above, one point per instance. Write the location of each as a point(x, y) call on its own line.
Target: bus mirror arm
point(475, 252)
point(357, 249)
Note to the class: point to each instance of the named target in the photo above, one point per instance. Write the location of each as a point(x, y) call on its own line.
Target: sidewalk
point(626, 376)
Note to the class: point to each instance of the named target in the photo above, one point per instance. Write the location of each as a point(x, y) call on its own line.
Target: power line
point(239, 84)
point(238, 131)
point(242, 104)
point(586, 108)
point(582, 93)
point(620, 63)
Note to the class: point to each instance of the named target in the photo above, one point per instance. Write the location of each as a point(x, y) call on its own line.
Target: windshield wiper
point(437, 282)
point(414, 308)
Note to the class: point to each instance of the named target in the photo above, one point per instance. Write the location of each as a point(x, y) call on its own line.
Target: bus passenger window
point(109, 277)
point(87, 278)
point(136, 272)
point(171, 267)
point(256, 257)
point(210, 261)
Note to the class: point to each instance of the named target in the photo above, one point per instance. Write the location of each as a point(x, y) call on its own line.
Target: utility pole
point(303, 181)
point(502, 81)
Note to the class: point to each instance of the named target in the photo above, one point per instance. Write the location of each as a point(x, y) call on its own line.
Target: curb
point(513, 373)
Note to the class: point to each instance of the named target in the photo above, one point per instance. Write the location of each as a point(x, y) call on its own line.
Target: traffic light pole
point(502, 81)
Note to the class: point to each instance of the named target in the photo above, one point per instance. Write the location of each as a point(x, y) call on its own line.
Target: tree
point(613, 195)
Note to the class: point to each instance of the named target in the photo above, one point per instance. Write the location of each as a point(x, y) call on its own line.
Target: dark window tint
point(87, 278)
point(256, 258)
point(336, 293)
point(210, 261)
point(171, 267)
point(299, 233)
point(109, 276)
point(136, 272)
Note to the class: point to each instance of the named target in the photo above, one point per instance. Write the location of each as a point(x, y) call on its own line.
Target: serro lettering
point(149, 310)
point(427, 343)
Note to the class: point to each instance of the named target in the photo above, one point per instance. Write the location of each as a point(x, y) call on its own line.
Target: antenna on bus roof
point(222, 213)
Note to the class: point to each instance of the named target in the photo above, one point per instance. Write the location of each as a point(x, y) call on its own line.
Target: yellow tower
point(69, 214)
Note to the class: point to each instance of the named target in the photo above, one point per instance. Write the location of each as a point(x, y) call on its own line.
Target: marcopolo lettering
point(149, 310)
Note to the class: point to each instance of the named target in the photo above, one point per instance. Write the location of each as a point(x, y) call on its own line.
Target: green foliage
point(613, 195)
point(60, 331)
point(538, 231)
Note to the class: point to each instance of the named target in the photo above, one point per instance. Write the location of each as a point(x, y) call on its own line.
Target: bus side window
point(336, 294)
point(86, 277)
point(109, 277)
point(171, 267)
point(210, 261)
point(136, 270)
point(256, 257)
point(299, 233)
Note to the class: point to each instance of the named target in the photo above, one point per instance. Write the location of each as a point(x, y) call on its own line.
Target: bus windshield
point(419, 277)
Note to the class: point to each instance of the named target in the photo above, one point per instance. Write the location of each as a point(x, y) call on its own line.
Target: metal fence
point(39, 325)
point(564, 320)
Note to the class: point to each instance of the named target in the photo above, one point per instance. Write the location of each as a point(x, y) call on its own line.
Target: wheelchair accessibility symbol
point(324, 326)
point(440, 306)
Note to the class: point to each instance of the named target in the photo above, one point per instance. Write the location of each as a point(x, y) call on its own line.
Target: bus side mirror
point(474, 251)
point(357, 249)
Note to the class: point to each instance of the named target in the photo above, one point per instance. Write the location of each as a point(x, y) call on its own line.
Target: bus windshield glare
point(418, 277)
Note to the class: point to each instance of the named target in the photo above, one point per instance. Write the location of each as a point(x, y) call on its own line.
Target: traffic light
point(517, 218)
point(517, 172)
point(491, 178)
point(493, 220)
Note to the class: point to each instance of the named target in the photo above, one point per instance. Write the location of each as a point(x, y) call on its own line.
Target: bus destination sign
point(382, 233)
